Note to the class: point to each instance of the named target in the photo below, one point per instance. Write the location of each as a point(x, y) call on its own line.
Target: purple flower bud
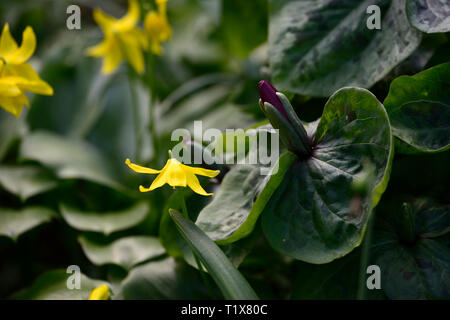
point(268, 94)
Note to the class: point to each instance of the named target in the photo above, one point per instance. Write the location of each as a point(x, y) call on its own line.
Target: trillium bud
point(282, 116)
point(268, 93)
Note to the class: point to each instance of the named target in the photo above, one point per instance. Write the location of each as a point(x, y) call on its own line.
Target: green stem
point(362, 287)
point(136, 115)
point(152, 113)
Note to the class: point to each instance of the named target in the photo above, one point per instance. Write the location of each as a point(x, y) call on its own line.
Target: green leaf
point(164, 279)
point(13, 223)
point(244, 25)
point(309, 216)
point(178, 247)
point(242, 196)
point(105, 222)
point(125, 252)
point(429, 16)
point(232, 284)
point(52, 285)
point(420, 268)
point(317, 47)
point(419, 109)
point(71, 158)
point(26, 181)
point(331, 281)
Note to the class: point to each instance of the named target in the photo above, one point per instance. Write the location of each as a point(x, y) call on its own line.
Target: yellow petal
point(156, 26)
point(105, 21)
point(132, 17)
point(8, 88)
point(14, 105)
point(176, 174)
point(204, 172)
point(133, 52)
point(159, 181)
point(144, 189)
point(7, 44)
point(194, 184)
point(140, 169)
point(26, 49)
point(26, 78)
point(112, 59)
point(100, 293)
point(156, 48)
point(99, 50)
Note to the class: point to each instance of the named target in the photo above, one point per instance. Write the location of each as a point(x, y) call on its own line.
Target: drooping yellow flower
point(123, 40)
point(100, 293)
point(16, 75)
point(157, 27)
point(175, 174)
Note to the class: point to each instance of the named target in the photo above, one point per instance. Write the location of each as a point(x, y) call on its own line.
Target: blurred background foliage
point(67, 197)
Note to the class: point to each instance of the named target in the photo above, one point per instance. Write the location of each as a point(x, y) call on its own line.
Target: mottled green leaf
point(419, 109)
point(26, 181)
point(319, 46)
point(241, 198)
point(71, 158)
point(15, 222)
point(125, 252)
point(415, 268)
point(429, 16)
point(52, 285)
point(331, 281)
point(164, 279)
point(310, 216)
point(105, 222)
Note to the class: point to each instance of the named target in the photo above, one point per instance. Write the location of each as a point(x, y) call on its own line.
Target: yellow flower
point(16, 75)
point(175, 174)
point(100, 293)
point(123, 40)
point(157, 27)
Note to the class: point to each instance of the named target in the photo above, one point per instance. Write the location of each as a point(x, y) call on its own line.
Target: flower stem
point(152, 105)
point(136, 115)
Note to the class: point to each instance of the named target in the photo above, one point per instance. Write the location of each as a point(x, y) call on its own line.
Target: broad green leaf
point(53, 285)
point(419, 109)
point(242, 196)
point(309, 216)
point(429, 16)
point(15, 222)
point(319, 46)
point(234, 210)
point(164, 279)
point(244, 25)
point(105, 222)
point(231, 283)
point(125, 252)
point(71, 158)
point(26, 181)
point(331, 281)
point(415, 268)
